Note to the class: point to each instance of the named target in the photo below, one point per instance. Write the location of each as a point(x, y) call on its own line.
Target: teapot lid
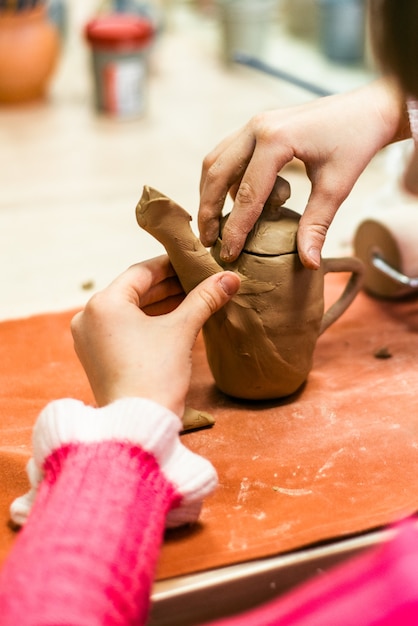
point(274, 233)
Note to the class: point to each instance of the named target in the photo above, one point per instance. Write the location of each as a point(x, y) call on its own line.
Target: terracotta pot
point(29, 48)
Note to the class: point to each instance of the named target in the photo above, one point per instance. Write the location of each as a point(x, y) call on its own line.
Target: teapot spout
point(169, 223)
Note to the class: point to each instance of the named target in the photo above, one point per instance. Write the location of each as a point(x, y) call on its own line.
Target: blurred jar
point(342, 29)
point(29, 50)
point(119, 45)
point(245, 26)
point(143, 7)
point(300, 17)
point(146, 8)
point(58, 14)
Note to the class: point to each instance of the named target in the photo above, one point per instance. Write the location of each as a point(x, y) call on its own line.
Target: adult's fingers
point(220, 171)
point(257, 186)
point(324, 201)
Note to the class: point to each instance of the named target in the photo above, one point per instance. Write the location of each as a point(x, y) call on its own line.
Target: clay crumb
point(382, 353)
point(87, 285)
point(195, 420)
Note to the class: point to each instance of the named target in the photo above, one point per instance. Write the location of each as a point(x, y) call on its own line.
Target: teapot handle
point(342, 264)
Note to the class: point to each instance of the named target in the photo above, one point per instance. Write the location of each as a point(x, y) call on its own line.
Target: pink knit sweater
point(413, 118)
point(104, 484)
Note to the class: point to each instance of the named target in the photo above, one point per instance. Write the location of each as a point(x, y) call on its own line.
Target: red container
point(120, 45)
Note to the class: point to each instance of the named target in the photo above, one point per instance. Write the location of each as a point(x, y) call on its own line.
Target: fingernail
point(314, 255)
point(226, 254)
point(229, 283)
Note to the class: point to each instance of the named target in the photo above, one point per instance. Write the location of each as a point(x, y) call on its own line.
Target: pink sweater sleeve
point(104, 484)
point(377, 588)
point(412, 106)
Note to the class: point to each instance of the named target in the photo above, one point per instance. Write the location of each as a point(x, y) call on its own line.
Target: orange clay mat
point(338, 458)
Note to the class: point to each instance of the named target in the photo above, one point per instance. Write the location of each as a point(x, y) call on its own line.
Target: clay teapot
point(260, 344)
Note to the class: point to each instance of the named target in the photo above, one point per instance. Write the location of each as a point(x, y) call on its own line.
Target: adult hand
point(135, 337)
point(335, 137)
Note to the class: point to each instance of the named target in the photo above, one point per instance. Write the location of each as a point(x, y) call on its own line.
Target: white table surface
point(70, 178)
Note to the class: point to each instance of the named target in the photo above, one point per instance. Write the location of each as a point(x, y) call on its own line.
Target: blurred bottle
point(29, 50)
point(342, 29)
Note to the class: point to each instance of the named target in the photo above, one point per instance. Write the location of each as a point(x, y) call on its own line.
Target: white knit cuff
point(136, 421)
